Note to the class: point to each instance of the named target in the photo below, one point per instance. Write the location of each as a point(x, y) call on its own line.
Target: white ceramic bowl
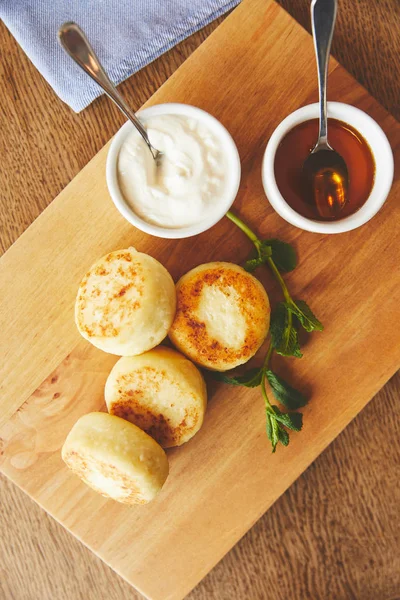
point(381, 151)
point(232, 160)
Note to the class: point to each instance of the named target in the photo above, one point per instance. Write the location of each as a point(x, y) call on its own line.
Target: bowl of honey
point(357, 138)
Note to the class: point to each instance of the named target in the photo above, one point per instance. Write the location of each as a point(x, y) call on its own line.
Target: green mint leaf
point(272, 430)
point(265, 250)
point(305, 315)
point(283, 254)
point(269, 426)
point(285, 393)
point(292, 421)
point(283, 333)
point(252, 264)
point(275, 432)
point(283, 436)
point(256, 260)
point(251, 378)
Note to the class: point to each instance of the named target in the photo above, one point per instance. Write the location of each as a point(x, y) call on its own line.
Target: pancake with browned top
point(161, 392)
point(222, 316)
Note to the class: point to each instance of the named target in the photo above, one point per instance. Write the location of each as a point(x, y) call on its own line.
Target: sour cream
point(189, 184)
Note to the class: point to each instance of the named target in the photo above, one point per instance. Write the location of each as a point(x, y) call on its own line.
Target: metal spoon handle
point(76, 44)
point(323, 17)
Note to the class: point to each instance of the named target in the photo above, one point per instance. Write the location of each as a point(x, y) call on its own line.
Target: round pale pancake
point(125, 303)
point(115, 458)
point(222, 316)
point(161, 392)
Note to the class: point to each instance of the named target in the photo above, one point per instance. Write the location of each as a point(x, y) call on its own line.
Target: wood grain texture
point(347, 579)
point(334, 535)
point(366, 43)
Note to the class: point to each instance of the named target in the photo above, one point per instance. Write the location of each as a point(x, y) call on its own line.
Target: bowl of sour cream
point(196, 183)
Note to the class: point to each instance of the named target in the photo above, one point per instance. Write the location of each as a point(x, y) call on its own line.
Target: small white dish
point(231, 156)
point(381, 151)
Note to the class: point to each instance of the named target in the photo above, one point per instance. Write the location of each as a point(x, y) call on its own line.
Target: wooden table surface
point(335, 534)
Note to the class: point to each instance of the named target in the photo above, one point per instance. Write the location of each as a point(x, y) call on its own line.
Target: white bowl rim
point(381, 151)
point(233, 172)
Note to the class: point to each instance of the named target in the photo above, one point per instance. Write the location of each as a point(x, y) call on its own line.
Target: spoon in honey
point(324, 170)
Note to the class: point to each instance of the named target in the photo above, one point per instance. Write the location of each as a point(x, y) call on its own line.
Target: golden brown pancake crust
point(130, 406)
point(190, 334)
point(131, 275)
point(160, 391)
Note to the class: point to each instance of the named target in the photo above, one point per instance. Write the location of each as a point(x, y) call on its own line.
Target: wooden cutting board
point(256, 68)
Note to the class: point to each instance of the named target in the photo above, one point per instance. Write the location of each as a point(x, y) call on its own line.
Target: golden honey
point(296, 146)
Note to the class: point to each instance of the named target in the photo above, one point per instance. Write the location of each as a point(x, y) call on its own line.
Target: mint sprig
point(283, 255)
point(284, 334)
point(283, 328)
point(284, 392)
point(276, 420)
point(286, 318)
point(305, 315)
point(280, 256)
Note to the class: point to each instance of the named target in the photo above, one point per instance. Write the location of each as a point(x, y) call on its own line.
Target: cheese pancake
point(161, 392)
point(125, 303)
point(115, 458)
point(222, 316)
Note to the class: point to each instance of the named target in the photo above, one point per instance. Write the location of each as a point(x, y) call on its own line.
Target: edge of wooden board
point(53, 316)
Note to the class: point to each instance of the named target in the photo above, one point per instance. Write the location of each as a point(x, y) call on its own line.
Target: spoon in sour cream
point(76, 44)
point(324, 171)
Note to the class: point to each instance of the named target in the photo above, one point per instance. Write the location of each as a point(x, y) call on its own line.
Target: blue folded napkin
point(126, 35)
